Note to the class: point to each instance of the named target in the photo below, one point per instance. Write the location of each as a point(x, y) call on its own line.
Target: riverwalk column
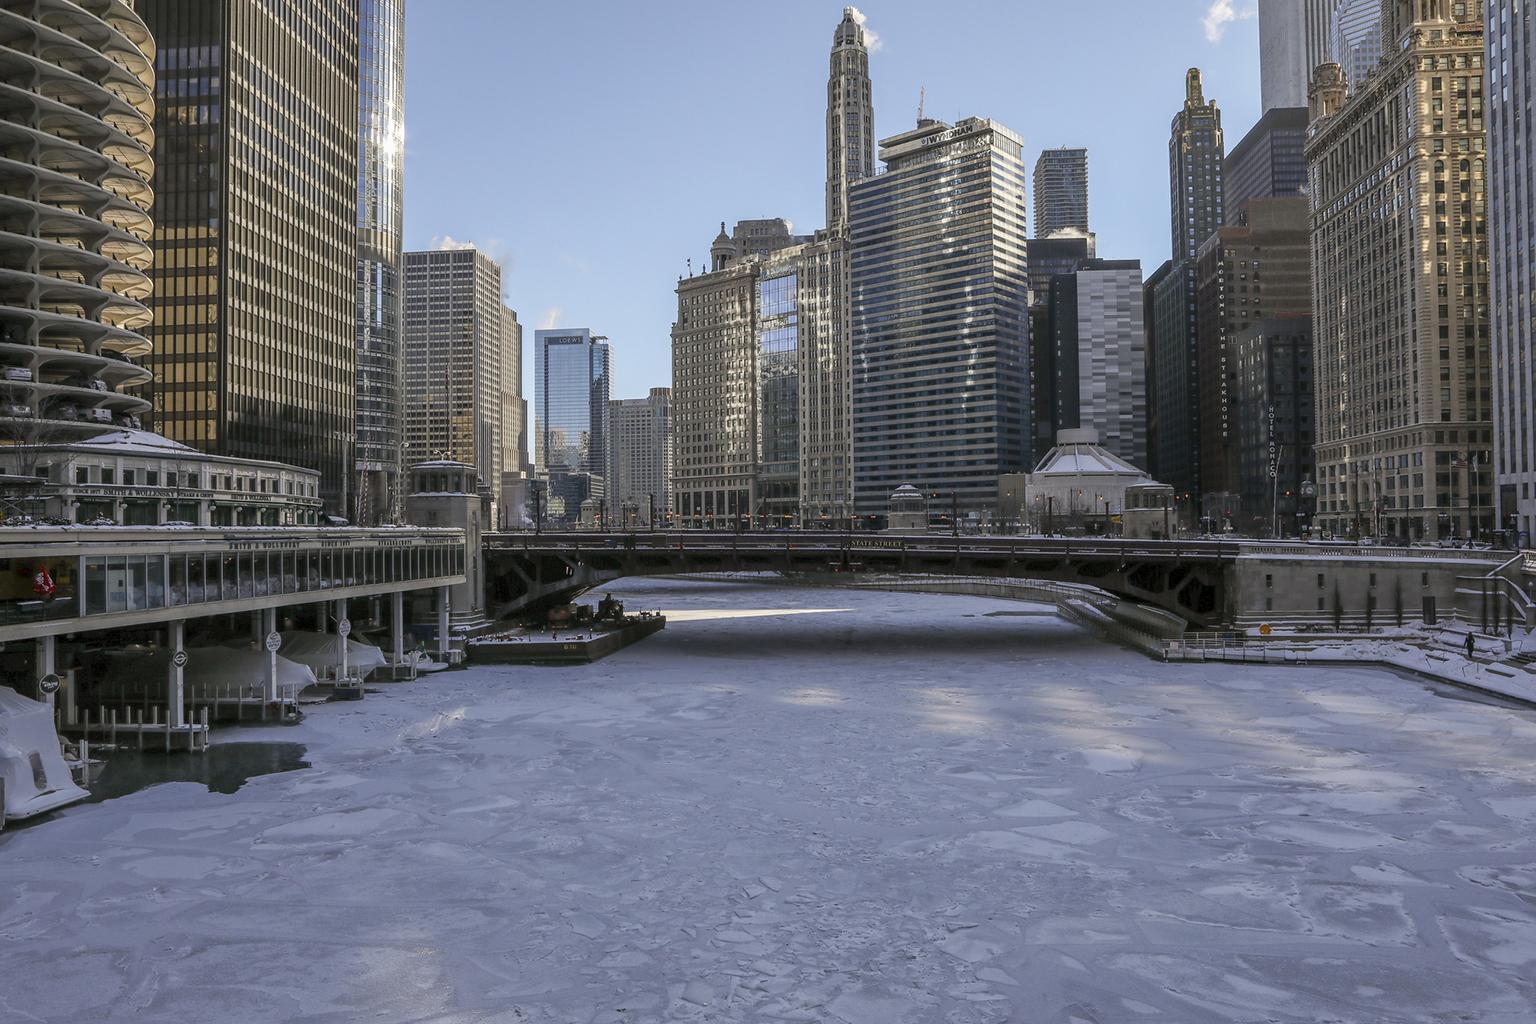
point(272, 641)
point(45, 666)
point(343, 630)
point(442, 621)
point(397, 624)
point(175, 708)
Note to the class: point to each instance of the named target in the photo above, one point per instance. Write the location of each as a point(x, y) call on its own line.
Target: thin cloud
point(1221, 14)
point(551, 319)
point(492, 247)
point(871, 40)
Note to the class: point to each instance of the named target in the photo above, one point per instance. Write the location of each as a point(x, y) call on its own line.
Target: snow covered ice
point(890, 809)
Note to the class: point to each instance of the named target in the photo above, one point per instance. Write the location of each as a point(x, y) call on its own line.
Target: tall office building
point(1173, 381)
point(1512, 222)
point(572, 381)
point(461, 363)
point(760, 385)
point(1061, 191)
point(256, 242)
point(77, 255)
point(940, 278)
point(1293, 41)
point(1399, 242)
point(1048, 257)
point(639, 474)
point(1098, 338)
point(850, 117)
point(380, 196)
point(1244, 273)
point(1196, 174)
point(1196, 151)
point(1355, 38)
point(1270, 161)
point(714, 384)
point(1274, 437)
point(825, 383)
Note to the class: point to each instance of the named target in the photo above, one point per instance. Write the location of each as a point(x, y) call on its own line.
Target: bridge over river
point(1206, 583)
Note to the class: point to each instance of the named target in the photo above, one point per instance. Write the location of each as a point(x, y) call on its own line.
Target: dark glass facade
point(256, 230)
point(1172, 373)
point(1274, 387)
point(1271, 161)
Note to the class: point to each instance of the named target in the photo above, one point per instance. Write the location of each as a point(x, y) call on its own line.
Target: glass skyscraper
point(778, 389)
point(381, 159)
point(572, 384)
point(940, 279)
point(256, 230)
point(1354, 39)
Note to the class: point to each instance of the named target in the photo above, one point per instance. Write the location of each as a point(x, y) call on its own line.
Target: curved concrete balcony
point(76, 135)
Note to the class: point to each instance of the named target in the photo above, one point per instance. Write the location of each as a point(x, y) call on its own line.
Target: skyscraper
point(1274, 437)
point(940, 278)
point(1399, 230)
point(572, 380)
point(1061, 191)
point(1244, 273)
point(78, 243)
point(381, 171)
point(1196, 150)
point(256, 158)
point(1270, 161)
point(1293, 41)
point(850, 117)
point(714, 391)
point(1354, 39)
point(1173, 380)
point(1099, 341)
point(1048, 257)
point(640, 458)
point(1512, 223)
point(460, 359)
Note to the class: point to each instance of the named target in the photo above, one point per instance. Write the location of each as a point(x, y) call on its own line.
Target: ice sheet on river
point(895, 810)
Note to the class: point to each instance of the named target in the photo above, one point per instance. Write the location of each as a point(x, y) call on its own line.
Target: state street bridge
point(1205, 583)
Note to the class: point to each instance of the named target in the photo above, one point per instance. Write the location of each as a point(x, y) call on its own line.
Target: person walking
point(1471, 646)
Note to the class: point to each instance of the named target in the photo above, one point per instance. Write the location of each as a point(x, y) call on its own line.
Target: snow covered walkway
point(886, 808)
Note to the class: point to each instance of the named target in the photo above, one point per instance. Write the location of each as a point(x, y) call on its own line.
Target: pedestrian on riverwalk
point(1471, 645)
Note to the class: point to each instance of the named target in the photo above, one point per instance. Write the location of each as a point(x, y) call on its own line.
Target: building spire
point(1194, 88)
point(850, 116)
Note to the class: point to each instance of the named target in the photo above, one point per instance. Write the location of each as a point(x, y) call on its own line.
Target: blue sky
point(594, 145)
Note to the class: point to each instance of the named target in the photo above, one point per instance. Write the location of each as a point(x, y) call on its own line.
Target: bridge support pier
point(444, 642)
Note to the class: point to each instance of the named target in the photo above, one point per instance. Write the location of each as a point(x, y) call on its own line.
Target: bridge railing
point(850, 543)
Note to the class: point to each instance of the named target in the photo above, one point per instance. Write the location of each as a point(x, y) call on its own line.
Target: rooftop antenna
point(922, 98)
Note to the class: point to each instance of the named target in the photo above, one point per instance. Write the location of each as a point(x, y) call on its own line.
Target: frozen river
point(882, 808)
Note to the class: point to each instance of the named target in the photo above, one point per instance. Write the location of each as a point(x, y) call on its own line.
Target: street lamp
point(1308, 491)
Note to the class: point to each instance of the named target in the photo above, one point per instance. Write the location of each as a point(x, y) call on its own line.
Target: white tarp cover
point(29, 748)
point(218, 668)
point(320, 652)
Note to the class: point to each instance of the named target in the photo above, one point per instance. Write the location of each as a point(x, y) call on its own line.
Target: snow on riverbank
point(889, 808)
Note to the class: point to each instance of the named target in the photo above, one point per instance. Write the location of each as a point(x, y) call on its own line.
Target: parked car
point(17, 410)
point(16, 373)
point(99, 415)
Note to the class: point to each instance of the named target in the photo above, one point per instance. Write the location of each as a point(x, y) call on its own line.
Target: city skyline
point(557, 274)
